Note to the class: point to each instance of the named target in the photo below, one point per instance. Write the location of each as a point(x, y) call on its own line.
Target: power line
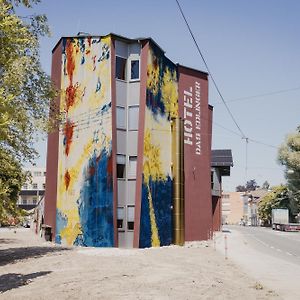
point(210, 74)
point(218, 90)
point(262, 95)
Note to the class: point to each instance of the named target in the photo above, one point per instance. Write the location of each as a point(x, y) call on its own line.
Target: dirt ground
point(33, 269)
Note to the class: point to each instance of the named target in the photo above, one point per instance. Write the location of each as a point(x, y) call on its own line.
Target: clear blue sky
point(251, 47)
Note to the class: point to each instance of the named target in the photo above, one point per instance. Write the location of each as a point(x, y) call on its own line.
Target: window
point(25, 186)
point(45, 173)
point(120, 68)
point(44, 185)
point(121, 122)
point(132, 166)
point(130, 217)
point(34, 200)
point(37, 173)
point(212, 179)
point(133, 117)
point(24, 201)
point(121, 163)
point(35, 186)
point(135, 69)
point(120, 217)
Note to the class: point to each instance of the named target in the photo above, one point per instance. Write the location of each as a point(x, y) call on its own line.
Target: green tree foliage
point(11, 178)
point(250, 185)
point(240, 188)
point(25, 92)
point(266, 185)
point(279, 197)
point(289, 156)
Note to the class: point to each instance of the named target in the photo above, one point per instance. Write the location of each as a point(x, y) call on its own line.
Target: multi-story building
point(233, 207)
point(221, 162)
point(129, 165)
point(33, 189)
point(241, 207)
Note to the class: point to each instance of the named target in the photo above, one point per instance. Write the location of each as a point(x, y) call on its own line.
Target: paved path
point(271, 257)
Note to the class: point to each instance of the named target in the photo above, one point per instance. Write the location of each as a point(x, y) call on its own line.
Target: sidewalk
point(279, 275)
point(32, 269)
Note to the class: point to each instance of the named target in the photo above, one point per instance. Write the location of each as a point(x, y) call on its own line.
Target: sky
point(251, 47)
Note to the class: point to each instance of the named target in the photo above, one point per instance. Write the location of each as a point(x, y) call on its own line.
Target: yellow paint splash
point(73, 228)
point(152, 160)
point(152, 168)
point(152, 73)
point(155, 241)
point(169, 92)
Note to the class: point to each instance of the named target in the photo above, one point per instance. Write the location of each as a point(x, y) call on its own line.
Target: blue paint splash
point(61, 223)
point(161, 192)
point(155, 102)
point(98, 86)
point(95, 205)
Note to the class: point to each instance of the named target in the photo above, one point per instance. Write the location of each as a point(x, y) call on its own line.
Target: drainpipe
point(178, 181)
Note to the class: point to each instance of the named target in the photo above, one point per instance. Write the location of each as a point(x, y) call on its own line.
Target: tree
point(266, 185)
point(240, 188)
point(25, 93)
point(11, 178)
point(289, 156)
point(250, 185)
point(274, 199)
point(25, 89)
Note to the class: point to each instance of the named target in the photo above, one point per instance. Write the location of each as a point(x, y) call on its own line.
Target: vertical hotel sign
point(192, 116)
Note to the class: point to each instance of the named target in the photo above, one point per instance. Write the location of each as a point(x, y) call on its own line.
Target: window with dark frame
point(135, 70)
point(121, 163)
point(212, 179)
point(130, 217)
point(121, 68)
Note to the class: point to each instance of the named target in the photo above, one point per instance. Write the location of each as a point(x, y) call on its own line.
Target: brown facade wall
point(52, 149)
point(139, 173)
point(216, 210)
point(114, 139)
point(197, 153)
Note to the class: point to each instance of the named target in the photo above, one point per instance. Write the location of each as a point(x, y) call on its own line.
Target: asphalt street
point(271, 257)
point(283, 245)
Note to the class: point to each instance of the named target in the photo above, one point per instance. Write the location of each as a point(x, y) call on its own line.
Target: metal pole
point(225, 244)
point(178, 181)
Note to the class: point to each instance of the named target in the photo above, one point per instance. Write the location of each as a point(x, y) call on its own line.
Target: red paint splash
point(94, 62)
point(109, 168)
point(92, 171)
point(70, 60)
point(68, 132)
point(89, 41)
point(67, 179)
point(71, 92)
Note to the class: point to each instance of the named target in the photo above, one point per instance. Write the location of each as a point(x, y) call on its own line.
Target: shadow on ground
point(8, 241)
point(13, 280)
point(13, 255)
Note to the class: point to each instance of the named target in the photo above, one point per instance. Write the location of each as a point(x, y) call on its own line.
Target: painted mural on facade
point(85, 193)
point(161, 108)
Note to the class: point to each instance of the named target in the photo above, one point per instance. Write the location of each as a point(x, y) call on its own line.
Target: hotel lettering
point(192, 116)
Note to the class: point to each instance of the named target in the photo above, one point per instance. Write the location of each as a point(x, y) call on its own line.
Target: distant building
point(232, 207)
point(251, 200)
point(33, 189)
point(241, 206)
